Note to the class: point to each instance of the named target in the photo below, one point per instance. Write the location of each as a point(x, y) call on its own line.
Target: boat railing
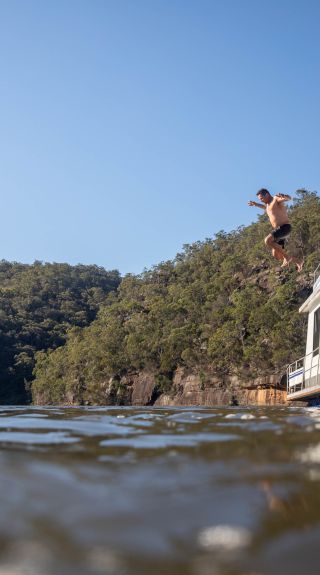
point(316, 275)
point(304, 372)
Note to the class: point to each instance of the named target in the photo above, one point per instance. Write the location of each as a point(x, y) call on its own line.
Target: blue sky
point(131, 127)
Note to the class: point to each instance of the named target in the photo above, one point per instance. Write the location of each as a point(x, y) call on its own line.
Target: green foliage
point(222, 303)
point(203, 379)
point(163, 383)
point(38, 304)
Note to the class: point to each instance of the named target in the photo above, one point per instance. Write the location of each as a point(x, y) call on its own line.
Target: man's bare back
point(278, 216)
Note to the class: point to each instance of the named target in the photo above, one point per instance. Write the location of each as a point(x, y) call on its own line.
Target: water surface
point(152, 491)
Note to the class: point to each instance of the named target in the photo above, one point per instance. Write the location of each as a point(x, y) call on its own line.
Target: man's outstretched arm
point(283, 198)
point(256, 205)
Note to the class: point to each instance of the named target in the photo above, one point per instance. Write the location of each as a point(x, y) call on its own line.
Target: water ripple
point(167, 491)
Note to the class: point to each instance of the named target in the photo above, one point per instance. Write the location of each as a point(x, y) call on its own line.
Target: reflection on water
point(152, 491)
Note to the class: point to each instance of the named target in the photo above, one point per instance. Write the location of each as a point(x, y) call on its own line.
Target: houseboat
point(303, 375)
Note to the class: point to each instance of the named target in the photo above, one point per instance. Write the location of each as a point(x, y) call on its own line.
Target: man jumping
point(278, 216)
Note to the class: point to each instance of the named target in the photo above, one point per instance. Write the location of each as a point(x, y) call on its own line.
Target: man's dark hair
point(263, 192)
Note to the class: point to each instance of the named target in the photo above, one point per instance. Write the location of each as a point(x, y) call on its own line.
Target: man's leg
point(277, 251)
point(276, 255)
point(298, 263)
point(281, 243)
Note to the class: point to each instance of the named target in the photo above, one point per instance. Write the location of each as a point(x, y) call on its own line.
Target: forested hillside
point(38, 305)
point(222, 303)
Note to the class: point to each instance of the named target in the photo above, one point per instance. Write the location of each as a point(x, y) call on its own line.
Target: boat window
point(316, 331)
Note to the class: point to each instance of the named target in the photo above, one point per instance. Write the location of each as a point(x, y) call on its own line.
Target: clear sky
point(131, 127)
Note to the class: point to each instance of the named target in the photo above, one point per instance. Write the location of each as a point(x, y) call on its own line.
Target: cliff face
point(191, 391)
point(194, 389)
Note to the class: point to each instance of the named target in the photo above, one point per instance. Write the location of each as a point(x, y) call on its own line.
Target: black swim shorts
point(281, 233)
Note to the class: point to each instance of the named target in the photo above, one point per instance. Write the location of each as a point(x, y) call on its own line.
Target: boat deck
point(305, 393)
point(303, 377)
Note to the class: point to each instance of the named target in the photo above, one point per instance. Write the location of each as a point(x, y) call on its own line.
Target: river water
point(152, 491)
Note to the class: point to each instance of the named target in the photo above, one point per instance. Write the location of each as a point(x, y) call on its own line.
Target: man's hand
point(283, 197)
point(256, 205)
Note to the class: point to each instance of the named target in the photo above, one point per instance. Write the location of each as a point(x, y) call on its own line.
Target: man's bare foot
point(286, 262)
point(299, 265)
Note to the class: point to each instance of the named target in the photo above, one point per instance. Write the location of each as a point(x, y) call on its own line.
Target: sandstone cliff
point(198, 389)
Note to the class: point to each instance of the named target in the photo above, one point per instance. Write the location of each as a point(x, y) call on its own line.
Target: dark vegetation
point(222, 303)
point(38, 305)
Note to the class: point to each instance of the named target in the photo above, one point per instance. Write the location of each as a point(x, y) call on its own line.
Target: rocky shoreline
point(190, 389)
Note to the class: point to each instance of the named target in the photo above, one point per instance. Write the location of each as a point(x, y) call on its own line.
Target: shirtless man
point(278, 216)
